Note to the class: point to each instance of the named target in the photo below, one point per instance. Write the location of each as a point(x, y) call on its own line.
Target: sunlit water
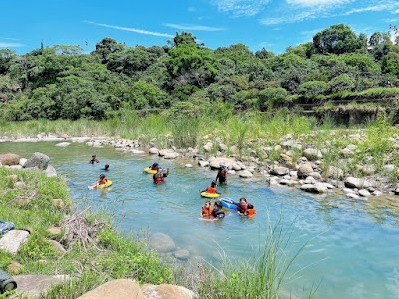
point(351, 248)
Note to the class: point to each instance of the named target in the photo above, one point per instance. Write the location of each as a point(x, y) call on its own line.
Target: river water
point(351, 247)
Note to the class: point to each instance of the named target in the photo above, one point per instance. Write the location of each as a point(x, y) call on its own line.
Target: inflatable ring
point(228, 203)
point(109, 183)
point(149, 170)
point(209, 195)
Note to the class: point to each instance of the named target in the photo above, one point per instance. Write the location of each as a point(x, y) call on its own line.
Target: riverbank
point(360, 163)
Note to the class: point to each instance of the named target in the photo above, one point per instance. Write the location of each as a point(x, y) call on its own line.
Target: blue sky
point(273, 24)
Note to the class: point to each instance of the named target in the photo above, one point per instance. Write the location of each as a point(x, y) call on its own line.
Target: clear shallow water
point(351, 247)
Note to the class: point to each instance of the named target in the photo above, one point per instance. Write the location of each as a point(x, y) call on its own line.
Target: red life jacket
point(158, 180)
point(211, 190)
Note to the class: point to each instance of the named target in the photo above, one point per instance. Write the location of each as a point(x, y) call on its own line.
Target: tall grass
point(264, 276)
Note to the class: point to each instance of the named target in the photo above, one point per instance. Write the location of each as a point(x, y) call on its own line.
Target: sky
point(270, 24)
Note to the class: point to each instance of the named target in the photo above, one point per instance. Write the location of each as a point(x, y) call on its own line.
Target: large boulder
point(182, 254)
point(304, 170)
point(351, 182)
point(162, 242)
point(215, 163)
point(279, 170)
point(31, 286)
point(166, 291)
point(245, 174)
point(37, 160)
point(9, 159)
point(115, 289)
point(13, 240)
point(50, 171)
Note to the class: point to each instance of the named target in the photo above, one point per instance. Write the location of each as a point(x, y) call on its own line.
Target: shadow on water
point(351, 245)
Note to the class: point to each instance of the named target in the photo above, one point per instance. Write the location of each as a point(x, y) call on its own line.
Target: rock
point(22, 161)
point(351, 147)
point(32, 285)
point(389, 168)
point(14, 268)
point(115, 289)
point(377, 193)
point(223, 147)
point(12, 240)
point(315, 175)
point(284, 182)
point(279, 170)
point(15, 167)
point(345, 152)
point(329, 186)
point(171, 155)
point(245, 174)
point(55, 230)
point(137, 152)
point(334, 172)
point(188, 166)
point(215, 163)
point(162, 242)
point(20, 185)
point(203, 163)
point(163, 152)
point(153, 151)
point(352, 195)
point(167, 291)
point(320, 188)
point(307, 187)
point(50, 171)
point(208, 147)
point(310, 180)
point(236, 167)
point(312, 154)
point(97, 144)
point(304, 170)
point(58, 202)
point(182, 254)
point(364, 193)
point(63, 144)
point(37, 160)
point(352, 182)
point(58, 247)
point(9, 159)
point(368, 169)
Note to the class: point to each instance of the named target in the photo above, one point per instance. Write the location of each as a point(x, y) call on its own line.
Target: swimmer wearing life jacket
point(160, 175)
point(207, 209)
point(211, 188)
point(102, 181)
point(244, 207)
point(154, 166)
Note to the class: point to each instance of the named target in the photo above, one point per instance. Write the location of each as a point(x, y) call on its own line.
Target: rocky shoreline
point(296, 164)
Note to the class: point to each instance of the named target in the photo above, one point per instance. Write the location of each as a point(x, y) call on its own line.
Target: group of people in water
point(209, 211)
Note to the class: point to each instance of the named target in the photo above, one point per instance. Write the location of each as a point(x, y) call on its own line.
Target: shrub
point(312, 88)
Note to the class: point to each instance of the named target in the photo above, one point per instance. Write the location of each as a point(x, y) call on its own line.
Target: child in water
point(211, 188)
point(106, 167)
point(206, 209)
point(160, 176)
point(102, 181)
point(243, 206)
point(94, 160)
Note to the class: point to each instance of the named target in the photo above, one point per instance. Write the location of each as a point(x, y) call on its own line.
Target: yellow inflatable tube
point(109, 183)
point(209, 195)
point(149, 170)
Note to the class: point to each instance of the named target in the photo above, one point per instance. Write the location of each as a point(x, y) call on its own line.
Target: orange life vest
point(206, 212)
point(211, 190)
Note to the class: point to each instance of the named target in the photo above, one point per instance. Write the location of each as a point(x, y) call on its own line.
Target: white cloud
point(10, 45)
point(317, 2)
point(379, 7)
point(9, 38)
point(239, 8)
point(140, 31)
point(306, 15)
point(193, 27)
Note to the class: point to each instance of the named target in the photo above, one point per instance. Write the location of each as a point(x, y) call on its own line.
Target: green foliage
point(341, 84)
point(269, 95)
point(312, 89)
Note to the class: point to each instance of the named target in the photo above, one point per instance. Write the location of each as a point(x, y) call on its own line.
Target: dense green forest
point(62, 82)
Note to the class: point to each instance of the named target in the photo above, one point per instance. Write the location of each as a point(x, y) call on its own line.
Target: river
point(351, 248)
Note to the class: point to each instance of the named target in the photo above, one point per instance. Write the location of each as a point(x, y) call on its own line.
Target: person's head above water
point(102, 176)
point(213, 184)
point(106, 166)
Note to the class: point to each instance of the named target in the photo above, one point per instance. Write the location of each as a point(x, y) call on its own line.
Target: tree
point(184, 38)
point(312, 89)
point(6, 56)
point(106, 47)
point(337, 39)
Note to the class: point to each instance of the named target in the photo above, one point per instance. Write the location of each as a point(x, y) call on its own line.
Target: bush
point(340, 84)
point(271, 95)
point(312, 88)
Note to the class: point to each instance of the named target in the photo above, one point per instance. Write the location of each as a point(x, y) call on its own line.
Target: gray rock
point(171, 155)
point(364, 193)
point(188, 166)
point(312, 154)
point(50, 171)
point(329, 186)
point(304, 170)
point(320, 188)
point(33, 285)
point(137, 152)
point(284, 182)
point(377, 193)
point(153, 151)
point(203, 163)
point(215, 163)
point(236, 167)
point(22, 161)
point(351, 182)
point(245, 174)
point(308, 187)
point(389, 168)
point(15, 167)
point(208, 147)
point(279, 170)
point(315, 175)
point(223, 147)
point(162, 242)
point(63, 144)
point(353, 195)
point(310, 180)
point(182, 254)
point(13, 240)
point(58, 247)
point(37, 160)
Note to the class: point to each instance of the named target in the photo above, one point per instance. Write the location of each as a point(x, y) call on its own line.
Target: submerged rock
point(162, 242)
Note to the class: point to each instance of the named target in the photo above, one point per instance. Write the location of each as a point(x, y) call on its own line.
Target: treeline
point(63, 82)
